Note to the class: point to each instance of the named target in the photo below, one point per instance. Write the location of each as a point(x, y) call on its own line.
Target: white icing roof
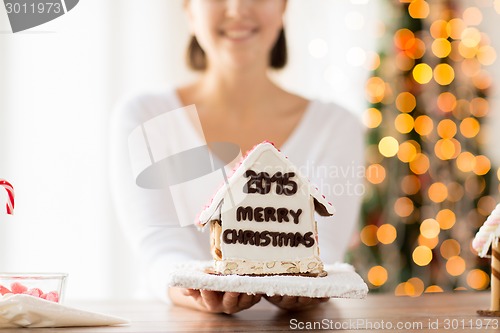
point(321, 204)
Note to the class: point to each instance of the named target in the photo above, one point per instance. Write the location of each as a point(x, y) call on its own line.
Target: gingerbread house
point(262, 219)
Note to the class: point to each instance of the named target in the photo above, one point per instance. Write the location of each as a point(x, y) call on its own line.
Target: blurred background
point(422, 76)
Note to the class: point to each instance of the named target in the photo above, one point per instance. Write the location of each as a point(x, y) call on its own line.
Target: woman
point(234, 44)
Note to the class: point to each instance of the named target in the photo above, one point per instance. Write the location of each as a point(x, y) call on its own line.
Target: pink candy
point(34, 292)
point(18, 288)
point(53, 296)
point(4, 290)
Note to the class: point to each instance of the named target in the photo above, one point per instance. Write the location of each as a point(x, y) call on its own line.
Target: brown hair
point(197, 59)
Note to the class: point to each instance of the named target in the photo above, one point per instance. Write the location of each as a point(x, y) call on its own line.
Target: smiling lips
point(238, 34)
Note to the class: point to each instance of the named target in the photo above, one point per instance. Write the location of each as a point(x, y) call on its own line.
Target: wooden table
point(441, 312)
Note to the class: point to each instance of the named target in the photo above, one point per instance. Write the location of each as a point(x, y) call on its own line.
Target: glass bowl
point(49, 286)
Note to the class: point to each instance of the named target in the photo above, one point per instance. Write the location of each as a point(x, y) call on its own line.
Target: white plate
point(18, 310)
point(341, 282)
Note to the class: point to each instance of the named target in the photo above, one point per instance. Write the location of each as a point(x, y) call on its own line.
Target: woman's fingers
point(212, 300)
point(245, 300)
point(274, 299)
point(191, 292)
point(306, 301)
point(230, 302)
point(227, 302)
point(289, 301)
point(295, 302)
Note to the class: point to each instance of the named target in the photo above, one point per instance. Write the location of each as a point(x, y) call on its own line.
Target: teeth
point(238, 34)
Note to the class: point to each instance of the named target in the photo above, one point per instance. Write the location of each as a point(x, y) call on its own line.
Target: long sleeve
point(148, 216)
point(328, 148)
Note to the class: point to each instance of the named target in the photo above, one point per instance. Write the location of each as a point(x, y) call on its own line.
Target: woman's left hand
point(295, 303)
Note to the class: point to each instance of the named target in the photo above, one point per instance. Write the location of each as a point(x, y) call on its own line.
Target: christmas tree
point(428, 180)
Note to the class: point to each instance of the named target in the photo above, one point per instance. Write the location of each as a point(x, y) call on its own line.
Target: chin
point(242, 62)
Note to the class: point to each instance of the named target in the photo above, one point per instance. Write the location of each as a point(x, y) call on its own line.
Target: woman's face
point(236, 32)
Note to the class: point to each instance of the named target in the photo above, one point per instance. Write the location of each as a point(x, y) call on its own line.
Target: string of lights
point(428, 180)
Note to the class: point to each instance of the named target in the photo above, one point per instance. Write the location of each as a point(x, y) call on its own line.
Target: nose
point(237, 8)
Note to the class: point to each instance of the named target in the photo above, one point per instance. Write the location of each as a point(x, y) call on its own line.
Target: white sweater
point(326, 146)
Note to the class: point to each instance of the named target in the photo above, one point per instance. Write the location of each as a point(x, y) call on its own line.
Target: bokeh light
point(472, 16)
point(447, 102)
point(447, 128)
point(429, 228)
point(444, 74)
point(410, 184)
point(471, 37)
point(414, 287)
point(424, 125)
point(433, 289)
point(372, 61)
point(467, 52)
point(486, 204)
point(466, 162)
point(422, 73)
point(419, 9)
point(388, 146)
point(482, 165)
point(455, 27)
point(404, 123)
point(402, 37)
point(375, 173)
point(441, 47)
point(439, 29)
point(407, 151)
point(403, 207)
point(477, 279)
point(422, 255)
point(469, 127)
point(368, 235)
point(455, 192)
point(415, 48)
point(431, 243)
point(446, 219)
point(438, 192)
point(372, 118)
point(406, 102)
point(483, 80)
point(455, 266)
point(446, 149)
point(449, 248)
point(375, 89)
point(400, 289)
point(470, 67)
point(386, 234)
point(420, 164)
point(474, 186)
point(486, 55)
point(377, 276)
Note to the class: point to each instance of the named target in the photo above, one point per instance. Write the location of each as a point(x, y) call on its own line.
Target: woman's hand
point(295, 303)
point(213, 301)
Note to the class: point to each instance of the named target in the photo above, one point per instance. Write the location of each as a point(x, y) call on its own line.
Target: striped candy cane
point(10, 192)
point(495, 276)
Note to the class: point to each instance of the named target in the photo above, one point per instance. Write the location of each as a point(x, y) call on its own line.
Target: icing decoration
point(488, 237)
point(488, 233)
point(264, 217)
